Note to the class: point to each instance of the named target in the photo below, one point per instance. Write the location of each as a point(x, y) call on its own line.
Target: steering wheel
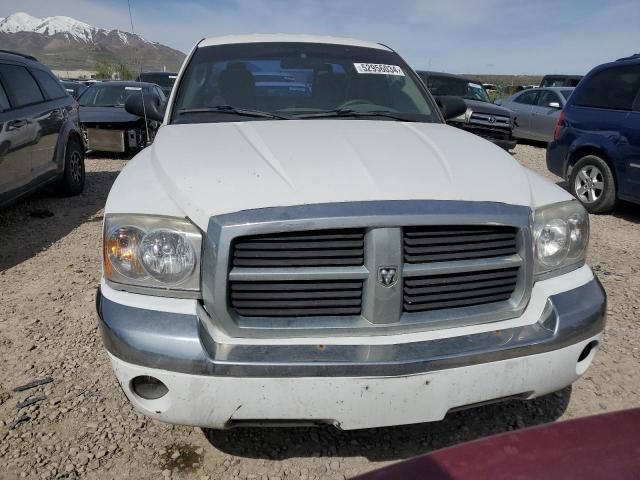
point(354, 101)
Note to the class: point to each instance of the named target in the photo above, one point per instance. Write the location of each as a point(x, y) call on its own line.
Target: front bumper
point(213, 383)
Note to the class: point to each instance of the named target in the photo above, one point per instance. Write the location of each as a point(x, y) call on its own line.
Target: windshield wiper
point(233, 110)
point(345, 112)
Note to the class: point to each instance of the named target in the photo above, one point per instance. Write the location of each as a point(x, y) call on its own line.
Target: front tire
point(591, 182)
point(73, 178)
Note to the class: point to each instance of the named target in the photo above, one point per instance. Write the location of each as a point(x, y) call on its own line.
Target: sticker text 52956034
point(379, 68)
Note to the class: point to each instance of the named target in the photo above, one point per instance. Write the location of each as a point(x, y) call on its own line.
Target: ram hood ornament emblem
point(388, 276)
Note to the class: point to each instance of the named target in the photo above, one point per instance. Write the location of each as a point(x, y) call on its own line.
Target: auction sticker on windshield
point(133, 88)
point(378, 68)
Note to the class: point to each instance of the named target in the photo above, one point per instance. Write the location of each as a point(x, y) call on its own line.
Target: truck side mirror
point(148, 105)
point(451, 107)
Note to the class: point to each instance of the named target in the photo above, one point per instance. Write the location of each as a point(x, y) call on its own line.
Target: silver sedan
point(536, 111)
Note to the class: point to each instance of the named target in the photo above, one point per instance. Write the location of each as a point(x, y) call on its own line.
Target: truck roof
point(278, 37)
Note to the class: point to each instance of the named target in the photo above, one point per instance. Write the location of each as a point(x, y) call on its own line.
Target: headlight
point(561, 235)
point(150, 252)
point(464, 118)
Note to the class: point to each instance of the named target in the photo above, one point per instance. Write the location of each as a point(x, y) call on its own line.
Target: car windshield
point(292, 80)
point(457, 87)
point(105, 95)
point(162, 79)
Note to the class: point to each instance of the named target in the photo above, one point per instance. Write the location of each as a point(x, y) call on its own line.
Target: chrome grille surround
point(489, 120)
point(382, 306)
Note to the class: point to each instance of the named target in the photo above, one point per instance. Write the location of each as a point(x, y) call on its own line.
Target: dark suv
point(596, 145)
point(40, 140)
point(482, 117)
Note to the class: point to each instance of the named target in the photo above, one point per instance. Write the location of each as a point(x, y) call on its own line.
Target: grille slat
point(299, 286)
point(423, 294)
point(495, 252)
point(294, 253)
point(452, 239)
point(469, 293)
point(460, 248)
point(319, 248)
point(296, 298)
point(269, 245)
point(438, 280)
point(302, 312)
point(455, 303)
point(304, 294)
point(466, 286)
point(440, 243)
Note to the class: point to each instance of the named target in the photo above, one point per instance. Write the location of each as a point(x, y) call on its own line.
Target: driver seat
point(237, 86)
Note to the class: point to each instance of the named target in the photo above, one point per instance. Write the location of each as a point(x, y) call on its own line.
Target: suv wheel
point(591, 181)
point(72, 181)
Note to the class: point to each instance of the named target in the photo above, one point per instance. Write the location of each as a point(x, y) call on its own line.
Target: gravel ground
point(81, 426)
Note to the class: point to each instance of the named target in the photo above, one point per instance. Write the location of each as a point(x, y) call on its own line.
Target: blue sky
point(459, 36)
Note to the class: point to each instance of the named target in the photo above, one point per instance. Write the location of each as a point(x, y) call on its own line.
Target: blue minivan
point(596, 145)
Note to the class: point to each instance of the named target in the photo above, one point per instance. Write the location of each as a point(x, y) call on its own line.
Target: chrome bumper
point(180, 343)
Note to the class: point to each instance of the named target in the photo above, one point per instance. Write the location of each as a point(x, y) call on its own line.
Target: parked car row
point(536, 111)
point(580, 130)
point(47, 124)
point(482, 117)
point(107, 126)
point(596, 142)
point(40, 139)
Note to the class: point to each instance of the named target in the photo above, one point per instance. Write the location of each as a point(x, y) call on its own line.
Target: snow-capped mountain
point(64, 42)
point(67, 26)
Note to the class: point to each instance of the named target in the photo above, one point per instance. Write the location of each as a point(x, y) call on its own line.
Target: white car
point(339, 257)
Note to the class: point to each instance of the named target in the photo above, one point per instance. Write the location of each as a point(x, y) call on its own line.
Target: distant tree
point(123, 72)
point(104, 70)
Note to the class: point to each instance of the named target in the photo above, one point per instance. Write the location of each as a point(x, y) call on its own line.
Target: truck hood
point(217, 168)
point(488, 108)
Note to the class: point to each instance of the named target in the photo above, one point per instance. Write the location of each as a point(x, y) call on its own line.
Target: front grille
point(297, 298)
point(321, 248)
point(392, 271)
point(436, 292)
point(488, 120)
point(450, 243)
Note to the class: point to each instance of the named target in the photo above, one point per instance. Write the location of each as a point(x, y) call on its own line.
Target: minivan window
point(21, 86)
point(330, 81)
point(4, 101)
point(52, 87)
point(615, 88)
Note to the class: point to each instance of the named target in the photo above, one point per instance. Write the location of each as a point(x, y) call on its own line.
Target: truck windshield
point(456, 87)
point(289, 80)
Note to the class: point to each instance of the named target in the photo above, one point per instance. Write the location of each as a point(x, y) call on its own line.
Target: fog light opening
point(586, 357)
point(587, 350)
point(149, 388)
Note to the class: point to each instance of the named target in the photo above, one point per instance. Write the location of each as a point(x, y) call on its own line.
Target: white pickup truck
point(334, 253)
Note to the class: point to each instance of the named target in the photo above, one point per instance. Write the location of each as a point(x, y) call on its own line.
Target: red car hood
point(601, 447)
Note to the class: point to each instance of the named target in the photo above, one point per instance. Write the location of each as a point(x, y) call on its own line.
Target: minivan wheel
point(591, 181)
point(72, 181)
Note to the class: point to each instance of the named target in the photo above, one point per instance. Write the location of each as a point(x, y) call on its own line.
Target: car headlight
point(561, 236)
point(152, 252)
point(464, 118)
